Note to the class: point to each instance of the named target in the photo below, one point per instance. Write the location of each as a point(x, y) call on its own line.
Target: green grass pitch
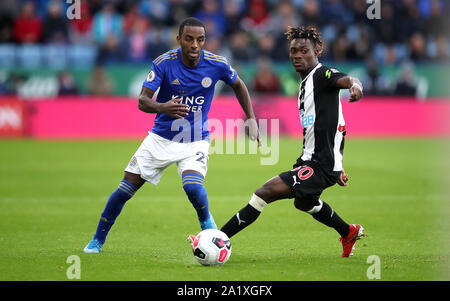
point(52, 194)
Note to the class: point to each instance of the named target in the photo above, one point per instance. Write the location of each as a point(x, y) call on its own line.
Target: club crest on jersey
point(151, 76)
point(206, 82)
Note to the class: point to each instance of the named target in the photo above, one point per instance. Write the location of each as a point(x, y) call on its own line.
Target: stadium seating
point(29, 56)
point(82, 56)
point(51, 56)
point(7, 55)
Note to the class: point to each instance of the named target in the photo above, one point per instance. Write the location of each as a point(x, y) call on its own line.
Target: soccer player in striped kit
point(185, 79)
point(320, 164)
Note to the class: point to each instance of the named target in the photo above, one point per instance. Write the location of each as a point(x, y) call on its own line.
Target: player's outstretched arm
point(172, 107)
point(241, 92)
point(353, 84)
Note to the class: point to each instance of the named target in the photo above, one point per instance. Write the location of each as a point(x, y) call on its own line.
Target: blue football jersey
point(195, 85)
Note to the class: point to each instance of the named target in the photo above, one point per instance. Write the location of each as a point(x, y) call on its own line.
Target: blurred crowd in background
point(34, 32)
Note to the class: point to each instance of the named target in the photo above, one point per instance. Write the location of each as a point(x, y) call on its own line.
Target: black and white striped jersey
point(321, 117)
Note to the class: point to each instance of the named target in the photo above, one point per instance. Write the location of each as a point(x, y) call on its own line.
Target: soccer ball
point(211, 247)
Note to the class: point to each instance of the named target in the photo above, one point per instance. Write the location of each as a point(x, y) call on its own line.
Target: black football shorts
point(308, 180)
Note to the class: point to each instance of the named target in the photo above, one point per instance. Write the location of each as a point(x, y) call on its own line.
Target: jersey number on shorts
point(304, 172)
point(202, 158)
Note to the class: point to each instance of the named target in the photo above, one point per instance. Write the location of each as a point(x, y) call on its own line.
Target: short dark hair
point(190, 22)
point(306, 32)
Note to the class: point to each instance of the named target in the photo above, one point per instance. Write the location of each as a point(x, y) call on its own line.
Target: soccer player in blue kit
point(186, 78)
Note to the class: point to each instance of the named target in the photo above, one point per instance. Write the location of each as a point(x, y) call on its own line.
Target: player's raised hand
point(343, 179)
point(252, 131)
point(174, 108)
point(356, 92)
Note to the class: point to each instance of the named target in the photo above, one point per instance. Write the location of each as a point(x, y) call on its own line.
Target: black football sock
point(244, 217)
point(327, 216)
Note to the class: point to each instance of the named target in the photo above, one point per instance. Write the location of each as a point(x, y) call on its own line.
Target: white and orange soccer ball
point(211, 247)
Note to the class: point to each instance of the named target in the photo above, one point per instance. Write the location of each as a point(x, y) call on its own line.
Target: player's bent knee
point(267, 193)
point(262, 193)
point(134, 179)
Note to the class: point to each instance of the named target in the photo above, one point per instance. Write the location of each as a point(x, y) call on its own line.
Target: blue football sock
point(196, 192)
point(113, 208)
